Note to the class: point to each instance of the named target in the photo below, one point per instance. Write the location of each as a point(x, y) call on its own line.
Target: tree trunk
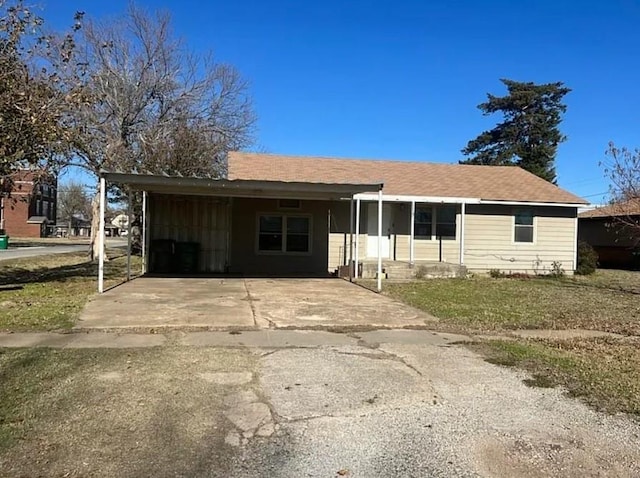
point(94, 245)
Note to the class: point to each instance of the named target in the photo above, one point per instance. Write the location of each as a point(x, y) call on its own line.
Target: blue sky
point(402, 79)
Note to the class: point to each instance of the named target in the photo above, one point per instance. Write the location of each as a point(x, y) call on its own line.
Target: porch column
point(462, 216)
point(351, 239)
point(412, 225)
point(357, 258)
point(129, 235)
point(379, 240)
point(143, 241)
point(101, 238)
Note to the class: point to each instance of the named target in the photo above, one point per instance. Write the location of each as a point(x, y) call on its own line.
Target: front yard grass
point(604, 372)
point(607, 301)
point(48, 292)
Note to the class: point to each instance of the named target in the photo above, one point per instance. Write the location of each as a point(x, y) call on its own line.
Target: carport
point(242, 226)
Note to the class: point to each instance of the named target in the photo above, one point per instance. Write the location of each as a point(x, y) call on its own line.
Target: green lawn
point(607, 300)
point(48, 292)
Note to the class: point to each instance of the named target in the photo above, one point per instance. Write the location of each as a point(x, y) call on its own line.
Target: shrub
point(556, 269)
point(496, 273)
point(587, 259)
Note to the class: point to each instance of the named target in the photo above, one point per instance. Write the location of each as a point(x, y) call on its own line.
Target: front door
point(372, 230)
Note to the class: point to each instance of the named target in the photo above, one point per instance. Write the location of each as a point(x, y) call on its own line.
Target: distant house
point(30, 209)
point(616, 245)
point(280, 215)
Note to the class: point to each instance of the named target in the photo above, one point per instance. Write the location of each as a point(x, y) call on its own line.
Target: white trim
point(462, 220)
point(379, 240)
point(357, 252)
point(129, 214)
point(144, 232)
point(406, 198)
point(530, 204)
point(101, 237)
point(514, 211)
point(351, 213)
point(459, 200)
point(575, 243)
point(412, 238)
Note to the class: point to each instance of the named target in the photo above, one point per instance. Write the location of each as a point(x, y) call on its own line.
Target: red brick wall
point(22, 205)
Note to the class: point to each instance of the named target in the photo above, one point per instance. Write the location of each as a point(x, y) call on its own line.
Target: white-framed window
point(523, 229)
point(423, 224)
point(435, 222)
point(284, 233)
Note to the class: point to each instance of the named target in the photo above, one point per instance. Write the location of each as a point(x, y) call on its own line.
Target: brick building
point(31, 206)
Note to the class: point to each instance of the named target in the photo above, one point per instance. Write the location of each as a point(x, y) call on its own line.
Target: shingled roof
point(402, 178)
point(624, 208)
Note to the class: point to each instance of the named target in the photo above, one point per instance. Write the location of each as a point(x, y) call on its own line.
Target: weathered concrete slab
point(266, 338)
point(309, 303)
point(81, 340)
point(158, 303)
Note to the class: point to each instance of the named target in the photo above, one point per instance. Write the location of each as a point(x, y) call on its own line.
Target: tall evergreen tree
point(528, 135)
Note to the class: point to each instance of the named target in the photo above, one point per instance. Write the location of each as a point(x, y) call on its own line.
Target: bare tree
point(151, 106)
point(623, 171)
point(73, 202)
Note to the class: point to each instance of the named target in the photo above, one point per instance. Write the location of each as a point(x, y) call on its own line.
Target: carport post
point(129, 235)
point(144, 232)
point(101, 238)
point(357, 258)
point(351, 239)
point(412, 233)
point(380, 240)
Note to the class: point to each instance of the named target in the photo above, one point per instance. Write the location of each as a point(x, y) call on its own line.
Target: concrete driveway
point(236, 303)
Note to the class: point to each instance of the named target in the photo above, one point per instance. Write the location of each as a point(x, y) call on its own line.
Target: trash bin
point(4, 242)
point(186, 257)
point(161, 252)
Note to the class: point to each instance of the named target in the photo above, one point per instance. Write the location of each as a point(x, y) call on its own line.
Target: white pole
point(143, 244)
point(129, 235)
point(379, 240)
point(351, 239)
point(412, 252)
point(462, 215)
point(101, 237)
point(357, 258)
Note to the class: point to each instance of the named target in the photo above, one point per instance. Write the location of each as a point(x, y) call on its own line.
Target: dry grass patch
point(608, 301)
point(605, 373)
point(48, 292)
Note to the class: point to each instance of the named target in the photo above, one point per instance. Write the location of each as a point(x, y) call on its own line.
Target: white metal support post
point(380, 240)
point(412, 234)
point(463, 209)
point(144, 232)
point(129, 201)
point(357, 258)
point(101, 237)
point(351, 239)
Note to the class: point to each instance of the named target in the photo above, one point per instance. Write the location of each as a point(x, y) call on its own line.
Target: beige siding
point(339, 234)
point(489, 239)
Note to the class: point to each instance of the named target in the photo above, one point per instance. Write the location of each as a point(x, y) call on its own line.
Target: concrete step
point(420, 270)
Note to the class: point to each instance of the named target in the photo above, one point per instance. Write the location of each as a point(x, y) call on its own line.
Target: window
point(446, 222)
point(423, 222)
point(523, 229)
point(284, 233)
point(444, 225)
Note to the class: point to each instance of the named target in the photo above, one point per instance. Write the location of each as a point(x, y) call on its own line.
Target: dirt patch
point(117, 413)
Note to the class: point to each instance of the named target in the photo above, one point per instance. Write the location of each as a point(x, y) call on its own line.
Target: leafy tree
point(529, 135)
point(32, 102)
